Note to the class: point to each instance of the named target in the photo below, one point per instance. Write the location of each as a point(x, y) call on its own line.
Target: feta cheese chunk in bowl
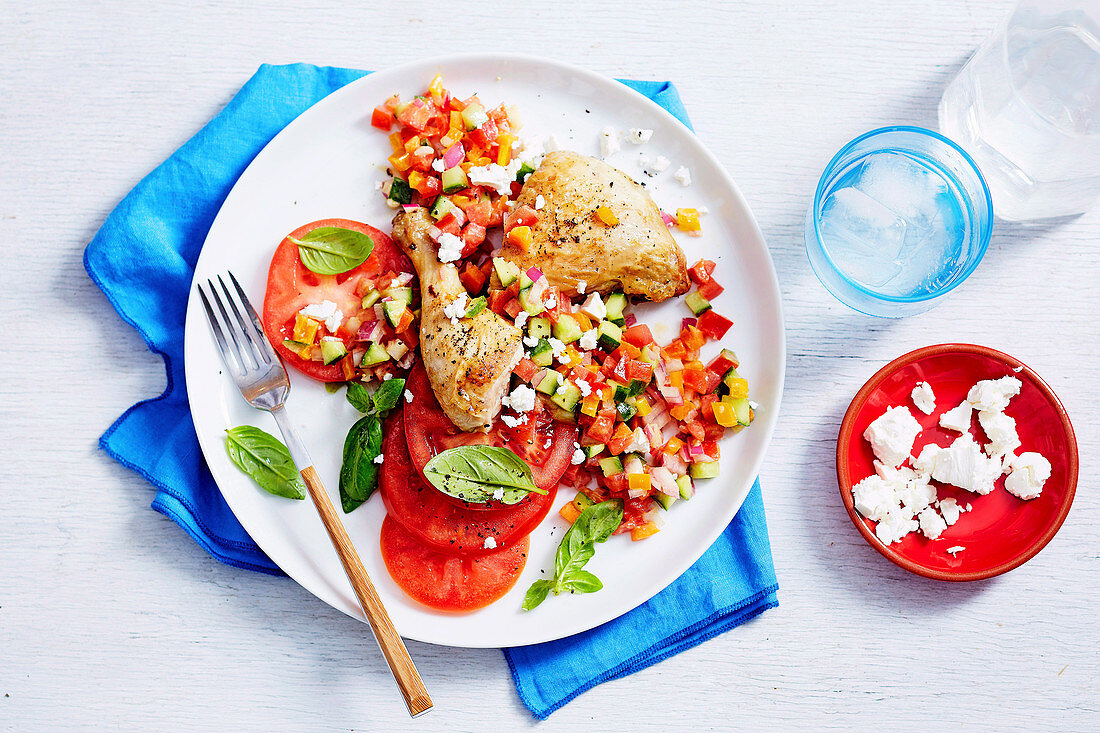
point(1002, 517)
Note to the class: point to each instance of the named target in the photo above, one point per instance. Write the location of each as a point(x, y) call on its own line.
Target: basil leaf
point(581, 581)
point(263, 457)
point(333, 250)
point(388, 394)
point(474, 473)
point(537, 593)
point(594, 525)
point(359, 472)
point(359, 397)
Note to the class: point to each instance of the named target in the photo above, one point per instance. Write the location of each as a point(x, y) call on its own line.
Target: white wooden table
point(110, 616)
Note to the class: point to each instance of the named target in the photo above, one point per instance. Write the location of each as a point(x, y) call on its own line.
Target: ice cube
point(902, 185)
point(863, 237)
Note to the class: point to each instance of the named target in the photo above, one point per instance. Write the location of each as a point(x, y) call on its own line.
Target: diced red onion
point(684, 455)
point(453, 155)
point(630, 320)
point(636, 493)
point(369, 331)
point(409, 207)
point(674, 463)
point(653, 434)
point(459, 215)
point(664, 481)
point(534, 273)
point(403, 279)
point(379, 312)
point(407, 361)
point(654, 516)
point(539, 376)
point(674, 365)
point(685, 322)
point(672, 395)
point(435, 233)
point(357, 356)
point(667, 219)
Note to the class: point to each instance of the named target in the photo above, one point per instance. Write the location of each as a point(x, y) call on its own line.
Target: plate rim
point(844, 439)
point(767, 425)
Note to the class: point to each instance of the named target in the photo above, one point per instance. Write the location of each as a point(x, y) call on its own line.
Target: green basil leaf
point(388, 394)
point(359, 397)
point(537, 593)
point(594, 525)
point(581, 581)
point(474, 473)
point(333, 250)
point(359, 472)
point(263, 457)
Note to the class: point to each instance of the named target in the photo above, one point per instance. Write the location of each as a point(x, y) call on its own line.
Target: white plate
point(325, 164)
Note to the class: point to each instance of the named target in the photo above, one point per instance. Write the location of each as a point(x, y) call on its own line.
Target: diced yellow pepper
point(724, 415)
point(397, 143)
point(573, 355)
point(607, 216)
point(436, 90)
point(520, 237)
point(474, 153)
point(681, 411)
point(590, 405)
point(739, 387)
point(673, 445)
point(416, 178)
point(646, 530)
point(412, 143)
point(482, 161)
point(676, 379)
point(638, 481)
point(688, 220)
point(504, 153)
point(643, 406)
point(569, 512)
point(305, 329)
point(399, 163)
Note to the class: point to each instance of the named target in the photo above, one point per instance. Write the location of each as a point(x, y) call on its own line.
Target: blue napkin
point(143, 259)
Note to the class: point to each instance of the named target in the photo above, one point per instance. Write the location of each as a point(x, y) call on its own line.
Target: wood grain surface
point(111, 617)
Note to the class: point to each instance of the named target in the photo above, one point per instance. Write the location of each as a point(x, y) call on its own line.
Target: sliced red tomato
point(430, 431)
point(291, 287)
point(445, 580)
point(429, 515)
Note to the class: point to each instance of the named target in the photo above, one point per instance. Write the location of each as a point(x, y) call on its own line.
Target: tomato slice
point(445, 580)
point(428, 515)
point(291, 287)
point(544, 444)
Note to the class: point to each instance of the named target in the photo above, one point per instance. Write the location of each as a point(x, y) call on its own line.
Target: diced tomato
point(512, 308)
point(696, 429)
point(484, 136)
point(713, 325)
point(526, 369)
point(473, 277)
point(524, 216)
point(675, 350)
point(609, 366)
point(710, 447)
point(616, 483)
point(497, 300)
point(706, 405)
point(713, 431)
point(421, 158)
point(416, 115)
point(390, 105)
point(381, 118)
point(699, 378)
point(620, 439)
point(692, 338)
point(499, 116)
point(496, 218)
point(638, 335)
point(620, 371)
point(473, 235)
point(710, 289)
point(602, 428)
point(721, 364)
point(479, 211)
point(449, 224)
point(626, 351)
point(429, 187)
point(701, 271)
point(639, 370)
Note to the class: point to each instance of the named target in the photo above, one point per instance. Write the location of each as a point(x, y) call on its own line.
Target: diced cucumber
point(621, 392)
point(400, 191)
point(609, 335)
point(567, 330)
point(375, 355)
point(696, 302)
point(615, 305)
point(508, 272)
point(474, 116)
point(442, 207)
point(524, 171)
point(741, 409)
point(636, 387)
point(730, 375)
point(708, 469)
point(549, 384)
point(475, 306)
point(687, 488)
point(625, 410)
point(538, 328)
point(664, 500)
point(582, 502)
point(528, 303)
point(543, 353)
point(332, 350)
point(404, 294)
point(296, 346)
point(453, 179)
point(393, 310)
point(568, 398)
point(611, 465)
point(594, 450)
point(371, 298)
point(525, 280)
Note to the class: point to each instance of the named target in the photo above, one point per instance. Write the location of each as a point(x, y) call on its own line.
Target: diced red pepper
point(675, 350)
point(710, 289)
point(701, 271)
point(473, 278)
point(713, 431)
point(713, 325)
point(616, 483)
point(416, 115)
point(620, 439)
point(721, 364)
point(638, 335)
point(639, 370)
point(602, 428)
point(526, 369)
point(381, 118)
point(699, 378)
point(512, 308)
point(497, 300)
point(449, 224)
point(710, 447)
point(693, 338)
point(473, 235)
point(484, 136)
point(609, 366)
point(706, 405)
point(429, 187)
point(620, 371)
point(421, 158)
point(404, 321)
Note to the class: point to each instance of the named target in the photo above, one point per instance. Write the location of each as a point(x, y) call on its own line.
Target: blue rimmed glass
point(901, 217)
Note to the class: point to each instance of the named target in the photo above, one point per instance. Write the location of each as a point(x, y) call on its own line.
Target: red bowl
point(1002, 532)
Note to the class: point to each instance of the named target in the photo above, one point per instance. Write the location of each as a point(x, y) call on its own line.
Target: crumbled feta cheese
point(387, 377)
point(963, 464)
point(957, 418)
point(513, 422)
point(530, 342)
point(577, 457)
point(562, 389)
point(456, 309)
point(874, 497)
point(653, 166)
point(683, 175)
point(1030, 472)
point(584, 387)
point(540, 201)
point(925, 463)
point(593, 306)
point(450, 247)
point(932, 524)
point(522, 399)
point(1019, 369)
point(661, 163)
point(924, 398)
point(894, 526)
point(916, 495)
point(490, 543)
point(327, 312)
point(1001, 431)
point(703, 210)
point(498, 494)
point(521, 318)
point(588, 340)
point(891, 435)
point(495, 176)
point(550, 303)
point(392, 204)
point(557, 347)
point(581, 286)
point(609, 141)
point(639, 136)
point(379, 458)
point(438, 165)
point(950, 510)
point(639, 443)
point(408, 396)
point(955, 550)
point(993, 394)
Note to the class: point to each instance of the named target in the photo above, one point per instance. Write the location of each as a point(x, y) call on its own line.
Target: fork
point(263, 381)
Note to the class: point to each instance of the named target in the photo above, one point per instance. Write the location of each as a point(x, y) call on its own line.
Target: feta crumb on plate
point(578, 457)
point(1030, 472)
point(522, 399)
point(963, 464)
point(540, 201)
point(593, 306)
point(891, 435)
point(683, 175)
point(993, 394)
point(924, 398)
point(326, 312)
point(956, 549)
point(581, 286)
point(950, 510)
point(408, 396)
point(498, 494)
point(379, 458)
point(638, 135)
point(609, 141)
point(1001, 431)
point(932, 524)
point(958, 418)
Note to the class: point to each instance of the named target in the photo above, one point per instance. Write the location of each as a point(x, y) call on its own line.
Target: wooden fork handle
point(393, 648)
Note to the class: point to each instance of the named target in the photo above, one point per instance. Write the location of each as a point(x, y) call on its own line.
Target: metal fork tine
point(254, 318)
point(223, 347)
point(259, 354)
point(238, 350)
